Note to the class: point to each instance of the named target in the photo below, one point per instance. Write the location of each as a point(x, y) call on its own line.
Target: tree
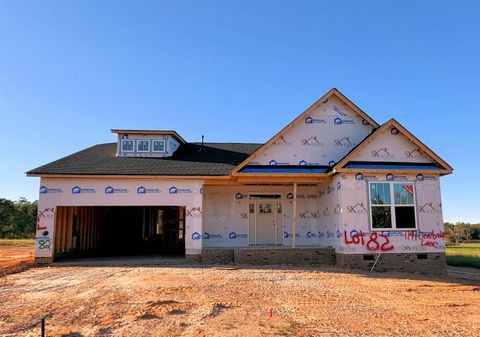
point(7, 217)
point(17, 219)
point(459, 231)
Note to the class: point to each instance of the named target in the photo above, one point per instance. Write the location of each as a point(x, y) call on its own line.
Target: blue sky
point(235, 71)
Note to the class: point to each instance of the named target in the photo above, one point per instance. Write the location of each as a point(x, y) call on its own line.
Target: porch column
point(194, 222)
point(294, 218)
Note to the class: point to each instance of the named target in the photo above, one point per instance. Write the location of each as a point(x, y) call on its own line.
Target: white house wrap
point(361, 190)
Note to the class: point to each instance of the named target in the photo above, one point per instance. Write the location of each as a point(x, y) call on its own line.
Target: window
point(279, 208)
point(265, 208)
point(158, 146)
point(392, 206)
point(143, 145)
point(127, 145)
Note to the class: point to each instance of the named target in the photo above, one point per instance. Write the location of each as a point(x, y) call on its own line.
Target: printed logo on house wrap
point(331, 163)
point(339, 111)
point(194, 211)
point(429, 208)
point(421, 177)
point(311, 141)
point(359, 176)
point(275, 163)
point(78, 190)
point(343, 142)
point(340, 121)
point(45, 190)
point(311, 235)
point(208, 236)
point(310, 120)
point(175, 190)
point(196, 236)
point(144, 190)
point(233, 236)
point(309, 214)
point(306, 163)
point(112, 190)
point(382, 153)
point(358, 208)
point(281, 141)
point(415, 154)
point(290, 235)
point(240, 196)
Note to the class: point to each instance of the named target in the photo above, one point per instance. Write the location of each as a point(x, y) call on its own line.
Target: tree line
point(461, 231)
point(17, 219)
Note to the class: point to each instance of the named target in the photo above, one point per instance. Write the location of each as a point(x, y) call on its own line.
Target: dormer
point(147, 143)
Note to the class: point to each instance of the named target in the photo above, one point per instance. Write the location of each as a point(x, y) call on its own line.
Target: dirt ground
point(218, 301)
point(15, 257)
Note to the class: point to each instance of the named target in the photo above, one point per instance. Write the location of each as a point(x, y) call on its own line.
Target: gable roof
point(217, 159)
point(443, 165)
point(302, 116)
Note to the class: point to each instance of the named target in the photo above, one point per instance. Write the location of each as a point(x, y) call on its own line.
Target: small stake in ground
point(42, 324)
point(270, 313)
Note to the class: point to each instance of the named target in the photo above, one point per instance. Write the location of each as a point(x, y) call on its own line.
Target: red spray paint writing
point(373, 242)
point(427, 239)
point(46, 213)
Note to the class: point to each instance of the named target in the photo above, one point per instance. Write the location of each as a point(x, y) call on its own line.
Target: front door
point(266, 222)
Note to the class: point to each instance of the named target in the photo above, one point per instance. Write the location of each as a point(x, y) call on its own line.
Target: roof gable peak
point(305, 116)
point(396, 128)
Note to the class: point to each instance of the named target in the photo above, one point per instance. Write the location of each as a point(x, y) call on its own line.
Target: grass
point(17, 242)
point(464, 254)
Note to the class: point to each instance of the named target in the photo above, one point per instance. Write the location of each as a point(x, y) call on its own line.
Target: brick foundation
point(193, 258)
point(223, 256)
point(265, 256)
point(425, 263)
point(43, 260)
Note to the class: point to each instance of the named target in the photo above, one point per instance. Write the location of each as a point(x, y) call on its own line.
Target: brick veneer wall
point(427, 263)
point(257, 256)
point(43, 260)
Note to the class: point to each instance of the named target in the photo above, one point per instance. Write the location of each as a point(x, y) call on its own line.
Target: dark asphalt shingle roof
point(217, 159)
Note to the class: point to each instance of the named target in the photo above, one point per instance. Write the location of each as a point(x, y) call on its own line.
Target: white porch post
point(294, 218)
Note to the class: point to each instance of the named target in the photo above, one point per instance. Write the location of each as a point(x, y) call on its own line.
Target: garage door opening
point(119, 230)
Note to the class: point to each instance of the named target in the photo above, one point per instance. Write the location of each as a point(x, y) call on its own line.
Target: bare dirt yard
point(222, 301)
point(15, 255)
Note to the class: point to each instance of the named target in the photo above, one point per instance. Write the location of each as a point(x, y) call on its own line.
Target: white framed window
point(143, 145)
point(392, 206)
point(127, 145)
point(158, 146)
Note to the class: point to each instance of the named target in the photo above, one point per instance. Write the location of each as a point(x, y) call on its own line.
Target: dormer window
point(143, 145)
point(127, 145)
point(147, 143)
point(158, 146)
